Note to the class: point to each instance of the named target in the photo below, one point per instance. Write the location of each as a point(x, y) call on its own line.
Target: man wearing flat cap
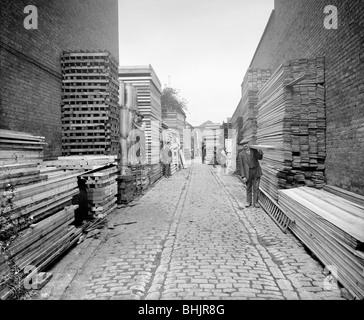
point(250, 171)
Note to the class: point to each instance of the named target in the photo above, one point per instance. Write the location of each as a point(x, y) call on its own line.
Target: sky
point(202, 48)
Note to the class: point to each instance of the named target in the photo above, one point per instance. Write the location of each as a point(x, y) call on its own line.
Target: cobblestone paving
point(194, 239)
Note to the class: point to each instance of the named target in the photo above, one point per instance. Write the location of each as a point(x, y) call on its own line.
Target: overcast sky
point(203, 48)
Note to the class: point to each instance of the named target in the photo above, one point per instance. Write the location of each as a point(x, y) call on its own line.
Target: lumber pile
point(291, 117)
point(253, 81)
point(350, 196)
point(24, 205)
point(102, 190)
point(37, 247)
point(149, 92)
point(90, 95)
point(85, 162)
point(140, 180)
point(213, 135)
point(20, 147)
point(155, 173)
point(332, 227)
point(126, 188)
point(35, 212)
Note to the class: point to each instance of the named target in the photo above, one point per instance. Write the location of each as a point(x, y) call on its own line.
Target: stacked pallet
point(20, 147)
point(332, 228)
point(291, 117)
point(148, 91)
point(102, 189)
point(90, 95)
point(36, 248)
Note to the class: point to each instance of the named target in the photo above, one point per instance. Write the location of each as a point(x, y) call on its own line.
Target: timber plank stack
point(332, 227)
point(212, 137)
point(85, 162)
point(149, 92)
point(20, 147)
point(38, 246)
point(35, 212)
point(126, 188)
point(253, 81)
point(291, 117)
point(155, 173)
point(90, 112)
point(102, 190)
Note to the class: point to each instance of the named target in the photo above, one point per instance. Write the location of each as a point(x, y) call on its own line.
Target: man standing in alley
point(166, 159)
point(250, 171)
point(203, 152)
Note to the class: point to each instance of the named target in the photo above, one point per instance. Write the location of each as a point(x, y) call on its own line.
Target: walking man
point(250, 172)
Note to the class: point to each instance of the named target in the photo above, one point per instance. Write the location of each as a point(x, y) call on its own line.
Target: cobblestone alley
point(190, 237)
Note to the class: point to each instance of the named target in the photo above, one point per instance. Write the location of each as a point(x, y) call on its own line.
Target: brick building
point(296, 30)
point(30, 92)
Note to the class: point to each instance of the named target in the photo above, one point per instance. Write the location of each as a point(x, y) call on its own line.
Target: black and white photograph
point(199, 155)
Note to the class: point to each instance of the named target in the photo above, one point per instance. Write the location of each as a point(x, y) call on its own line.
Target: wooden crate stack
point(102, 190)
point(90, 112)
point(332, 227)
point(291, 117)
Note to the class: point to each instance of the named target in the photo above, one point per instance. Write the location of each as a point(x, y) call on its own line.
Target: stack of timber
point(90, 95)
point(155, 173)
point(102, 189)
point(175, 119)
point(85, 162)
point(35, 248)
point(350, 196)
point(35, 214)
point(26, 204)
point(213, 136)
point(332, 228)
point(149, 92)
point(291, 118)
point(20, 147)
point(126, 188)
point(253, 81)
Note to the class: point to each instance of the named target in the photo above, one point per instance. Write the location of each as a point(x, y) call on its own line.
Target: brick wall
point(296, 30)
point(30, 92)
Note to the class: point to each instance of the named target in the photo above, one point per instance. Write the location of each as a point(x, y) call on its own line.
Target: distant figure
point(203, 152)
point(215, 157)
point(250, 172)
point(166, 159)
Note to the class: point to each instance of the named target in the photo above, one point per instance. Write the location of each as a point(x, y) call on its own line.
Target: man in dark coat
point(250, 171)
